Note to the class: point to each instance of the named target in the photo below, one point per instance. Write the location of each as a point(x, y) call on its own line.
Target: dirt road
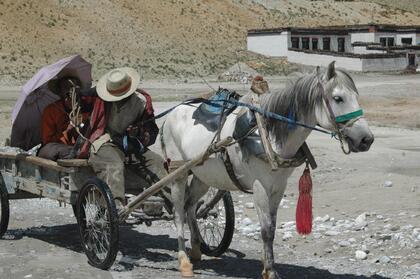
point(354, 211)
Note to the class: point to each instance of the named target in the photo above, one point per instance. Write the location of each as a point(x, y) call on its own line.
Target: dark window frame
point(341, 44)
point(407, 39)
point(326, 43)
point(314, 44)
point(383, 41)
point(295, 42)
point(305, 43)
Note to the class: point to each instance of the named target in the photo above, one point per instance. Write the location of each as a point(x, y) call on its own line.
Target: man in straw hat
point(120, 156)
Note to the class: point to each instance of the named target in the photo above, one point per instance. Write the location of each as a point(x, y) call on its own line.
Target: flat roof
point(338, 29)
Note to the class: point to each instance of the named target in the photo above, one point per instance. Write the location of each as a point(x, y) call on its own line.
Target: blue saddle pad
point(209, 115)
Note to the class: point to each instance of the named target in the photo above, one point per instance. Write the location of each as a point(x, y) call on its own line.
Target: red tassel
point(304, 205)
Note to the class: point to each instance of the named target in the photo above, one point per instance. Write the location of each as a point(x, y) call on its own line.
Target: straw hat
point(118, 84)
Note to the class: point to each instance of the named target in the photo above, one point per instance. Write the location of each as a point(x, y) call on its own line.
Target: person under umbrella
point(63, 121)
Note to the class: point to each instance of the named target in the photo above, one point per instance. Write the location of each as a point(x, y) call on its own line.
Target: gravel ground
point(366, 225)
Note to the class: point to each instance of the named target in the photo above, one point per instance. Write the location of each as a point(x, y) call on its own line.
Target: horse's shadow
point(136, 245)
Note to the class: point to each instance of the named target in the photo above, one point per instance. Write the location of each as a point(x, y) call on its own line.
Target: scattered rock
point(395, 228)
point(249, 205)
point(388, 183)
point(360, 255)
point(325, 218)
point(246, 222)
point(360, 219)
point(287, 236)
point(384, 237)
point(344, 243)
point(384, 259)
point(332, 233)
point(364, 249)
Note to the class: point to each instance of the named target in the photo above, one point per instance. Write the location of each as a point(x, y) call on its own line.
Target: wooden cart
point(73, 182)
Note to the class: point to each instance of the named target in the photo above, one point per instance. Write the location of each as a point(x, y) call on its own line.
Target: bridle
point(340, 122)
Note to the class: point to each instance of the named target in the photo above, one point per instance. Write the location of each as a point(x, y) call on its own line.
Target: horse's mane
point(300, 97)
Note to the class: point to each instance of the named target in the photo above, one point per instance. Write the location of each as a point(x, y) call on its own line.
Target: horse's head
point(341, 111)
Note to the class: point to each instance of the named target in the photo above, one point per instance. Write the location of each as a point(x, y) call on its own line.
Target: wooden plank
point(264, 135)
point(73, 162)
point(42, 162)
point(183, 170)
point(46, 164)
point(7, 155)
point(44, 189)
point(175, 164)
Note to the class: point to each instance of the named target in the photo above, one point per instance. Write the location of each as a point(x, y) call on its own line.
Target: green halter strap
point(349, 116)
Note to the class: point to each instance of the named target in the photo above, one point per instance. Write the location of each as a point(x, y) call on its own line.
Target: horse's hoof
point(186, 269)
point(270, 275)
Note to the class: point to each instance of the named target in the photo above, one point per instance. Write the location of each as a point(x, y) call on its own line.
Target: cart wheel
point(4, 204)
point(98, 223)
point(217, 226)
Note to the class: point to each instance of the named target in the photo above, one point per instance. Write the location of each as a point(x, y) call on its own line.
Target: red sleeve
point(49, 127)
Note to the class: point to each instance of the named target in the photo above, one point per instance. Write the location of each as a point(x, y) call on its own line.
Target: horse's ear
point(330, 71)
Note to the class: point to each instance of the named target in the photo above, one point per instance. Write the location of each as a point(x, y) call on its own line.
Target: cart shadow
point(251, 268)
point(136, 246)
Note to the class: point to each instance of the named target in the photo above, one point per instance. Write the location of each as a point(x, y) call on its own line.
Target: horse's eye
point(338, 99)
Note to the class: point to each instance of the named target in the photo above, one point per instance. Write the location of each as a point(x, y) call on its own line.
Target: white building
point(356, 47)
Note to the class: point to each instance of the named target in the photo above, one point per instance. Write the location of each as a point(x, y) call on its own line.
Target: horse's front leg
point(178, 199)
point(197, 189)
point(266, 203)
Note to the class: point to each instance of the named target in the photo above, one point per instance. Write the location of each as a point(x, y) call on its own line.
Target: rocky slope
point(174, 38)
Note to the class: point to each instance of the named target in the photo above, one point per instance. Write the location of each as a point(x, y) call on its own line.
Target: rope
point(220, 103)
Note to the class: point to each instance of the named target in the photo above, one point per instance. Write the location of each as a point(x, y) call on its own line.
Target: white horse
point(310, 105)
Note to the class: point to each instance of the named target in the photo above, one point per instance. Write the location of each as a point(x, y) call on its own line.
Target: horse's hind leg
point(178, 199)
point(266, 204)
point(197, 189)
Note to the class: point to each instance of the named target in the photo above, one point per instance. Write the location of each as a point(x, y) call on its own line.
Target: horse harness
point(345, 120)
point(303, 155)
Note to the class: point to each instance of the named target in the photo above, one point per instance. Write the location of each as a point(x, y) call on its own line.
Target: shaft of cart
point(182, 170)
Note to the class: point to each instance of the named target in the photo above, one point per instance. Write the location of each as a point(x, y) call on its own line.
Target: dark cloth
point(54, 122)
point(54, 151)
point(96, 127)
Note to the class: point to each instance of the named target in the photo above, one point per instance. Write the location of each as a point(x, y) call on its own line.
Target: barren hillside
point(171, 38)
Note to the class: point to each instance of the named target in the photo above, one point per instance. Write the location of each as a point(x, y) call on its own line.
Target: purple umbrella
point(35, 96)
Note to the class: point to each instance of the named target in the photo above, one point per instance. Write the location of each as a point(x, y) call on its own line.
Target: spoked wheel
point(98, 223)
point(4, 207)
point(216, 222)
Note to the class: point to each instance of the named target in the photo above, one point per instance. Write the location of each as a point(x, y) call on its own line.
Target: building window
point(382, 41)
point(295, 42)
point(326, 42)
point(411, 59)
point(406, 41)
point(386, 41)
point(305, 43)
point(341, 44)
point(314, 44)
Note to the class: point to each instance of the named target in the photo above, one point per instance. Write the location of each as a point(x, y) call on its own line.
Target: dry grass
point(173, 38)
